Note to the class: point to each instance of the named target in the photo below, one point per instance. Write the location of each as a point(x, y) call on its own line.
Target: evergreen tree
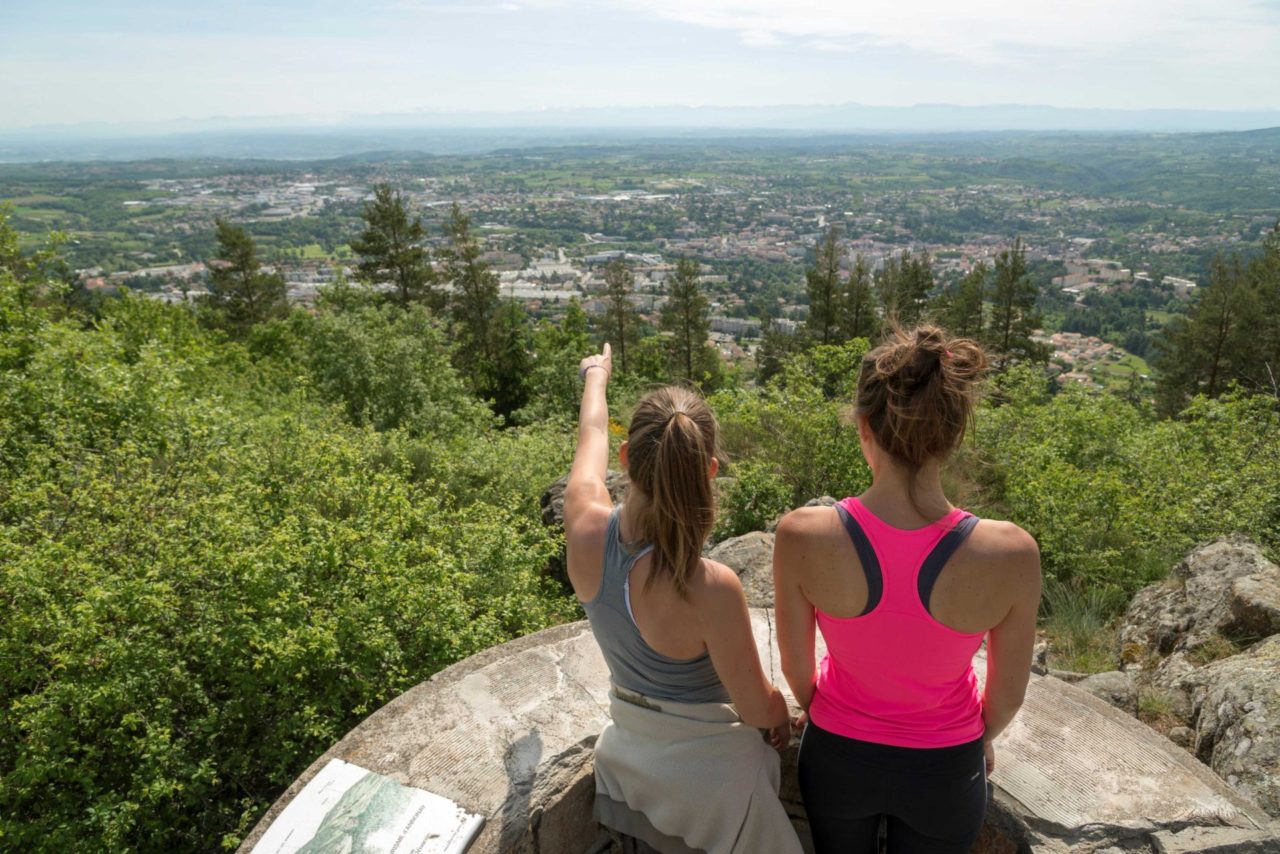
point(774, 351)
point(962, 314)
point(1265, 272)
point(240, 293)
point(1216, 342)
point(621, 322)
point(823, 324)
point(857, 303)
point(508, 379)
point(888, 280)
point(390, 250)
point(916, 285)
point(904, 285)
point(687, 317)
point(1013, 314)
point(474, 303)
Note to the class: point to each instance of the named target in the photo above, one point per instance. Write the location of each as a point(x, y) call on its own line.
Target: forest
point(230, 531)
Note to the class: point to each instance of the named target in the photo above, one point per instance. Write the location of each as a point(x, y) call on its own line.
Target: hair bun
point(918, 391)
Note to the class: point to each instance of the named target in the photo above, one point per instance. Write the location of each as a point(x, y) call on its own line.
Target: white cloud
point(989, 31)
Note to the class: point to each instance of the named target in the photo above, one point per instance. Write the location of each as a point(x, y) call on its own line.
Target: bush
point(796, 426)
point(755, 498)
point(210, 573)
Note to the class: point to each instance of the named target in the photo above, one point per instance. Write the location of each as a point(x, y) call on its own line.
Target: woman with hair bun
point(905, 587)
point(678, 767)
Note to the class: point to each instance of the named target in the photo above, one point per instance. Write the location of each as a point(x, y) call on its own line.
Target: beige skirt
point(688, 778)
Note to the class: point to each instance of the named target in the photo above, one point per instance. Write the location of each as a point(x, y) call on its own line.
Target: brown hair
point(670, 447)
point(917, 390)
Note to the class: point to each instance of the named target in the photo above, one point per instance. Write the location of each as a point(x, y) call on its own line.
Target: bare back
point(973, 593)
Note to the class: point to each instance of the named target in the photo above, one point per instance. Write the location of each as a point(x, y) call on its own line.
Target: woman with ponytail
point(905, 587)
point(682, 766)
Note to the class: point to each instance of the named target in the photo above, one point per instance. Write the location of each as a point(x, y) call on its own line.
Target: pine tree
point(474, 302)
point(904, 285)
point(621, 322)
point(1216, 342)
point(1013, 315)
point(390, 250)
point(507, 383)
point(686, 317)
point(1265, 272)
point(823, 323)
point(962, 315)
point(775, 349)
point(857, 303)
point(888, 281)
point(915, 287)
point(240, 293)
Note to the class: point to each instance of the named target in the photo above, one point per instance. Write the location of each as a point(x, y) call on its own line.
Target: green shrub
point(796, 425)
point(755, 498)
point(210, 572)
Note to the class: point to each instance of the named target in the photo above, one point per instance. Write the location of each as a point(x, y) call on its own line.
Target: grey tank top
point(633, 664)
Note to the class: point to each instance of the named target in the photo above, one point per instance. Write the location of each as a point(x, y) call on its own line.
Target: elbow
point(1002, 708)
point(797, 673)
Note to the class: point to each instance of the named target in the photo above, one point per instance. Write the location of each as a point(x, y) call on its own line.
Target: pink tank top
point(895, 675)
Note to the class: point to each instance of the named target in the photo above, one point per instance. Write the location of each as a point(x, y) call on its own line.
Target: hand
point(780, 736)
point(799, 722)
point(603, 359)
point(989, 754)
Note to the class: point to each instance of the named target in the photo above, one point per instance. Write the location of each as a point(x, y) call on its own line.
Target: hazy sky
point(70, 61)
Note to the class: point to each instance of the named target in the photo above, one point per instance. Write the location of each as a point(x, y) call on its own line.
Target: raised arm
point(586, 498)
point(591, 460)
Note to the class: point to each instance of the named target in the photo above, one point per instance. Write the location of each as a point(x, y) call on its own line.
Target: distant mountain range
point(294, 137)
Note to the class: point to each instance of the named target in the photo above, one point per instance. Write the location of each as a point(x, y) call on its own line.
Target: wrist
point(582, 372)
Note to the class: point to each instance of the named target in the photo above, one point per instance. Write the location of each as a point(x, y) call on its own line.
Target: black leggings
point(932, 800)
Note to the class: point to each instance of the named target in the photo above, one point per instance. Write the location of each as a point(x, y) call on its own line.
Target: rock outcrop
point(1208, 640)
point(508, 735)
point(1114, 687)
point(1237, 703)
point(751, 557)
point(1226, 589)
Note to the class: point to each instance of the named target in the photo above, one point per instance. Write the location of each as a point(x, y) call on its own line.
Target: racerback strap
point(942, 552)
point(867, 557)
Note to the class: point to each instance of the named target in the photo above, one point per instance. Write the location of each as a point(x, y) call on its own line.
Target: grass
point(1215, 648)
point(1157, 709)
point(1080, 625)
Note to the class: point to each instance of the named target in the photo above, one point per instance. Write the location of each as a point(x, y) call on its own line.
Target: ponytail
point(670, 450)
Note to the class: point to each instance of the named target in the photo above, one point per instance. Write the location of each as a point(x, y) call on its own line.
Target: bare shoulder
point(717, 582)
point(716, 593)
point(808, 539)
point(806, 521)
point(1009, 548)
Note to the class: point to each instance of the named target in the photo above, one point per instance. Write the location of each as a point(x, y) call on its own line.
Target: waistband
point(707, 712)
point(891, 756)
